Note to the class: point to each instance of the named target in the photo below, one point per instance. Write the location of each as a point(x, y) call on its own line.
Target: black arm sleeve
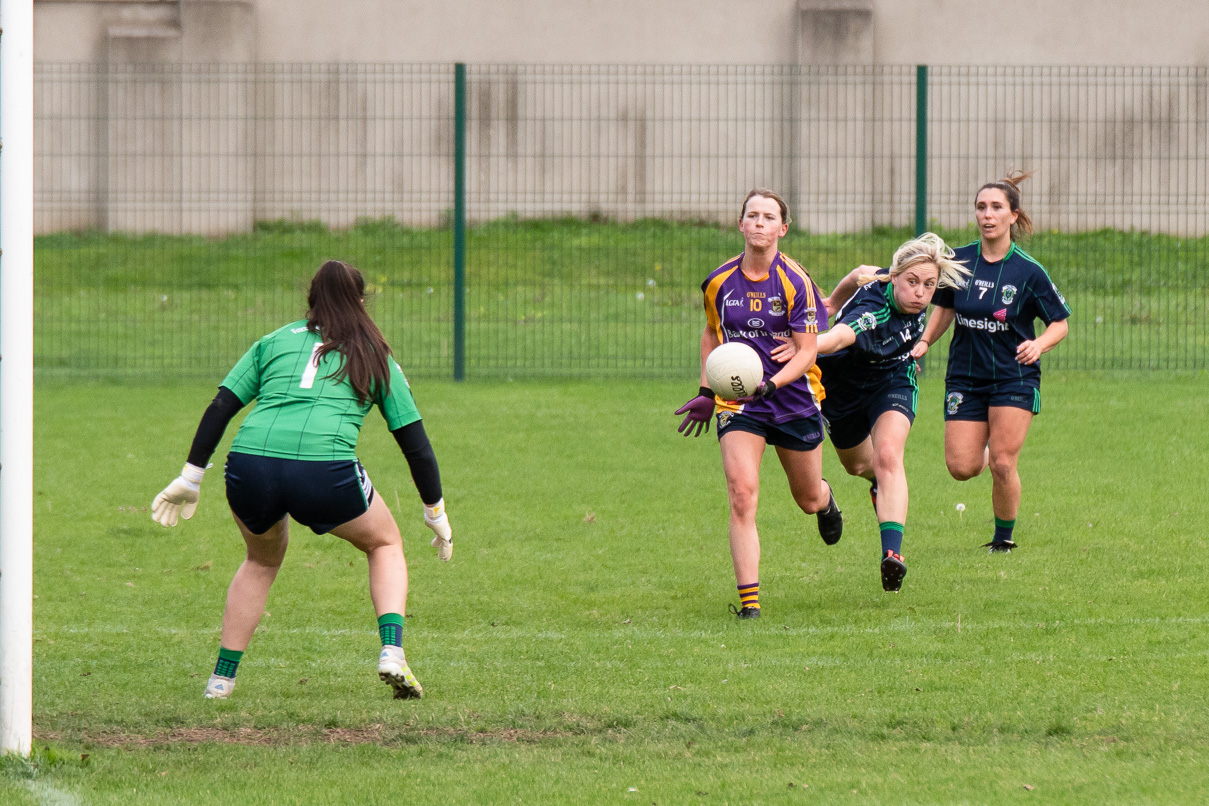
point(223, 407)
point(423, 462)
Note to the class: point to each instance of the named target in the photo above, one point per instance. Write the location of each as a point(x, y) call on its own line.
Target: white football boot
point(392, 669)
point(219, 688)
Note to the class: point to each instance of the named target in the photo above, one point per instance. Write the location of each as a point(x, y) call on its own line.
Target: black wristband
point(705, 391)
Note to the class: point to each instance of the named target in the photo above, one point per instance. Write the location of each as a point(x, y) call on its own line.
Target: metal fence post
point(459, 223)
point(921, 149)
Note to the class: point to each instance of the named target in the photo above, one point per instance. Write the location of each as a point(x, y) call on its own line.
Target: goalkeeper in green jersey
point(314, 381)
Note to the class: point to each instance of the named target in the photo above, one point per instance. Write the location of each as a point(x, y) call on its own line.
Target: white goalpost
point(16, 375)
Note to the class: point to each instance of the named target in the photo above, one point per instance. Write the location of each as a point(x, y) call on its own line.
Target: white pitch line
point(652, 631)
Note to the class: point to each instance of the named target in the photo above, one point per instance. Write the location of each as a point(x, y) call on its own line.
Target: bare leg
point(966, 452)
point(804, 469)
point(858, 460)
point(249, 590)
point(741, 454)
point(889, 441)
point(1008, 428)
point(376, 533)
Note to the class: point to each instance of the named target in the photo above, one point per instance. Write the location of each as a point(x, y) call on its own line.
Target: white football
point(733, 370)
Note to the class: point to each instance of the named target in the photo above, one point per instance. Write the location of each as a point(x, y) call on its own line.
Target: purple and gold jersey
point(756, 312)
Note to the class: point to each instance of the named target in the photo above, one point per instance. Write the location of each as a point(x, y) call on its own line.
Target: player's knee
point(743, 501)
point(962, 469)
point(812, 502)
point(857, 467)
point(1003, 468)
point(887, 461)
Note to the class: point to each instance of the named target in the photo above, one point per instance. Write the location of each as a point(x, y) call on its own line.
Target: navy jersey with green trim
point(882, 350)
point(995, 312)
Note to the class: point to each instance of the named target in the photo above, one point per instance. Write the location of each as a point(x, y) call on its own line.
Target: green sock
point(228, 662)
point(1003, 530)
point(390, 629)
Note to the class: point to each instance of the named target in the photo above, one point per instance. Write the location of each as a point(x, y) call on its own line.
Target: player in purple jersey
point(993, 382)
point(870, 377)
point(766, 300)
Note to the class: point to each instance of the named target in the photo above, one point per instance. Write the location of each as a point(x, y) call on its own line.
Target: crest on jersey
point(1061, 298)
point(776, 306)
point(952, 402)
point(866, 321)
point(1009, 294)
point(811, 318)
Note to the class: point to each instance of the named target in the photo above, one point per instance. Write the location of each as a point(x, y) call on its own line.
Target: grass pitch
point(561, 298)
point(578, 649)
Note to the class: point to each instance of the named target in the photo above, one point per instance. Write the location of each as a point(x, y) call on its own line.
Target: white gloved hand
point(436, 520)
point(178, 499)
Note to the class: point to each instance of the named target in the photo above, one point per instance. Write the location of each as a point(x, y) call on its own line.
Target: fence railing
point(183, 208)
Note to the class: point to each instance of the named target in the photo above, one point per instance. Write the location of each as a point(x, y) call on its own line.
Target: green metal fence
point(557, 220)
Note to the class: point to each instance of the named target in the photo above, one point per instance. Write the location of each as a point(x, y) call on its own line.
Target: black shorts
point(321, 495)
point(803, 434)
point(849, 423)
point(969, 400)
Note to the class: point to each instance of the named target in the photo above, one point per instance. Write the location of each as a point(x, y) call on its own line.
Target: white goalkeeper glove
point(178, 499)
point(436, 520)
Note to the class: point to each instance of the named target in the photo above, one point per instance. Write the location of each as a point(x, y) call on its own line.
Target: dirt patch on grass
point(301, 735)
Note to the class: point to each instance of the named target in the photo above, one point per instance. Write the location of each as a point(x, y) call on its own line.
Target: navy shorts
point(850, 424)
point(322, 495)
point(804, 434)
point(969, 401)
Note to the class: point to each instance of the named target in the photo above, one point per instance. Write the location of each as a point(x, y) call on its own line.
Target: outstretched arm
point(846, 287)
point(836, 339)
point(938, 323)
point(179, 499)
point(413, 441)
point(417, 450)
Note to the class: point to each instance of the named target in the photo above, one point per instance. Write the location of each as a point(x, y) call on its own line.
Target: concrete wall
point(1101, 32)
point(191, 117)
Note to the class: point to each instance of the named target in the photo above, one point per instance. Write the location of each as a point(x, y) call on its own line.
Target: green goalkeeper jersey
point(300, 412)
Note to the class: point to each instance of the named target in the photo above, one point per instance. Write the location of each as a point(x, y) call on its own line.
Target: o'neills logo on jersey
point(989, 325)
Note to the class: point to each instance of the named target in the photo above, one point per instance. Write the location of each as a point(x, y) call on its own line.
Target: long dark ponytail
point(337, 313)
